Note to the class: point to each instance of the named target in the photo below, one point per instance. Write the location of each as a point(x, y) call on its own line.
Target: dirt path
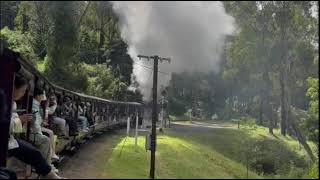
point(86, 161)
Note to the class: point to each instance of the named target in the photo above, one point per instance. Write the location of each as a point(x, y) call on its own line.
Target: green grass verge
point(216, 153)
point(175, 158)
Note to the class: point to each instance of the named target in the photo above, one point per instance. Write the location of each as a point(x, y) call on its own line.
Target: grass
point(216, 153)
point(262, 133)
point(175, 158)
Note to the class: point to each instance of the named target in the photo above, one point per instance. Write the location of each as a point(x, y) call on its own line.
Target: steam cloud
point(190, 33)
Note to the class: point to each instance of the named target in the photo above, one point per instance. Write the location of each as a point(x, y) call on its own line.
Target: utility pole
point(154, 109)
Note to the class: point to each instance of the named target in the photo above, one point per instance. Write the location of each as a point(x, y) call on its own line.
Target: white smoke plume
point(190, 33)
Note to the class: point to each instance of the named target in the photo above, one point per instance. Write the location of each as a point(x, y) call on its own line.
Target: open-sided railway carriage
point(104, 114)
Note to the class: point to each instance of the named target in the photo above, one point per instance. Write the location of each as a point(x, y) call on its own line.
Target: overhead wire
point(146, 67)
point(151, 68)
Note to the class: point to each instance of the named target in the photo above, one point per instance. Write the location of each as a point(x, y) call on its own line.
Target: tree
point(63, 44)
point(105, 17)
point(39, 27)
point(87, 45)
point(120, 61)
point(9, 10)
point(23, 16)
point(273, 36)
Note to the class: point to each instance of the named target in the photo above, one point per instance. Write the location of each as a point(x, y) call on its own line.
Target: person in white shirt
point(41, 141)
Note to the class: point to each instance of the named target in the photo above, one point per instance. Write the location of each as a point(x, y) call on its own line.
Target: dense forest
point(269, 69)
point(75, 44)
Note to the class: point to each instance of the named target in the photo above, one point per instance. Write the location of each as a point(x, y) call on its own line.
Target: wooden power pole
point(154, 108)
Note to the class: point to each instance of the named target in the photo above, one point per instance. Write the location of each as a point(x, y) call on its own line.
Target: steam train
point(105, 114)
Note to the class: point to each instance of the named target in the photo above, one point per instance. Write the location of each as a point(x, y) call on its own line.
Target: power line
point(151, 68)
point(147, 67)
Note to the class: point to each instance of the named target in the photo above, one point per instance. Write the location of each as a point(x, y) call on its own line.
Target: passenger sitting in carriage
point(88, 115)
point(53, 113)
point(67, 111)
point(81, 117)
point(45, 143)
point(20, 149)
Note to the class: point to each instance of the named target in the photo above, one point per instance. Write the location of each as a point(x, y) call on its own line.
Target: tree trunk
point(101, 33)
point(286, 117)
point(283, 123)
point(83, 14)
point(192, 105)
point(261, 109)
point(24, 23)
point(111, 27)
point(302, 139)
point(283, 69)
point(266, 99)
point(270, 114)
point(101, 42)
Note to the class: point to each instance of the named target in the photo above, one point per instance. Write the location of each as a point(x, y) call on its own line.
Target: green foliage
point(313, 94)
point(32, 18)
point(176, 107)
point(39, 27)
point(207, 89)
point(41, 65)
point(119, 61)
point(312, 122)
point(314, 171)
point(23, 16)
point(100, 80)
point(62, 39)
point(273, 155)
point(254, 55)
point(88, 46)
point(103, 83)
point(62, 46)
point(17, 42)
